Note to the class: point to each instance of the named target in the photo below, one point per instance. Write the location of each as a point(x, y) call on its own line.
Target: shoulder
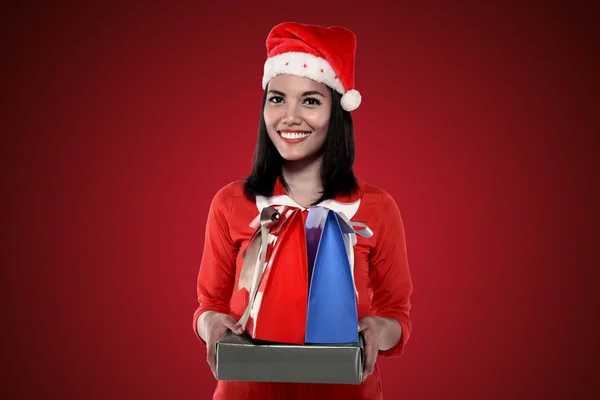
point(228, 194)
point(375, 195)
point(231, 190)
point(381, 212)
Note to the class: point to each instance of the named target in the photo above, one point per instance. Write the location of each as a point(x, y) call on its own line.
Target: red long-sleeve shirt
point(381, 275)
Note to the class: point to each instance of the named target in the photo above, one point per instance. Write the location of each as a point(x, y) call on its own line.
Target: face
point(296, 115)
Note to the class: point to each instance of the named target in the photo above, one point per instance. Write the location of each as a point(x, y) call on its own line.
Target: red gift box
point(277, 281)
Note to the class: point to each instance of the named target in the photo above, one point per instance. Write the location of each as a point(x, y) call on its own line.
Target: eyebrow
point(309, 93)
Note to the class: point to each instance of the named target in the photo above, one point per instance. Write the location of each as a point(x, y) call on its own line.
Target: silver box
point(239, 358)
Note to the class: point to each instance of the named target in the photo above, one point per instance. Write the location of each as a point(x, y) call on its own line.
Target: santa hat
point(324, 54)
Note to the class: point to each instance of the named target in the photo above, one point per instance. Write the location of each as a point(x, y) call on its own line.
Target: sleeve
point(389, 274)
point(216, 274)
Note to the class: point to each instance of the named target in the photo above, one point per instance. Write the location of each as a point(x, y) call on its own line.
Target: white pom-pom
point(351, 100)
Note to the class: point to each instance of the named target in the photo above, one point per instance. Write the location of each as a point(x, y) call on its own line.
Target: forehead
point(291, 84)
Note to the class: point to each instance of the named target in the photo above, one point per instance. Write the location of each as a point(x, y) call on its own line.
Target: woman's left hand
point(371, 331)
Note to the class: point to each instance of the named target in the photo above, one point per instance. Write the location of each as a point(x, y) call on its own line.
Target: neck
point(303, 178)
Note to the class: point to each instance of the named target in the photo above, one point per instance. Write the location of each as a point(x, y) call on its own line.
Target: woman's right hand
point(214, 326)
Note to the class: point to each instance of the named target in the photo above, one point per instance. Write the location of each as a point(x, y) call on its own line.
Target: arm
point(391, 281)
point(217, 268)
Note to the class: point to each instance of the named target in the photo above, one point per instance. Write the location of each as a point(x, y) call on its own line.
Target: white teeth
point(294, 135)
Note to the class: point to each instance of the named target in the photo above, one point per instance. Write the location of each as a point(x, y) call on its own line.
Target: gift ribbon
point(268, 216)
point(365, 232)
point(349, 209)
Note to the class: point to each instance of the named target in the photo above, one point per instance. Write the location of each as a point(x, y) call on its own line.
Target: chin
point(294, 157)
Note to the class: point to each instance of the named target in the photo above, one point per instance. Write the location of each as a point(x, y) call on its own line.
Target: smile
point(293, 137)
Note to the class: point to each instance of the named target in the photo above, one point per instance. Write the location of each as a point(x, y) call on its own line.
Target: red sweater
point(381, 275)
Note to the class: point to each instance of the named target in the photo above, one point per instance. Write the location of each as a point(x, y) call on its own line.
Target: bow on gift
point(274, 214)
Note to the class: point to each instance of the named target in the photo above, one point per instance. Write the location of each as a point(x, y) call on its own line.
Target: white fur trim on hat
point(303, 65)
point(351, 100)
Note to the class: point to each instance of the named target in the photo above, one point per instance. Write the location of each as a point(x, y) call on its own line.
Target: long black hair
point(337, 174)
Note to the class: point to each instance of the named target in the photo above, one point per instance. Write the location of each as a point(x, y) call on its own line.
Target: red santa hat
point(324, 54)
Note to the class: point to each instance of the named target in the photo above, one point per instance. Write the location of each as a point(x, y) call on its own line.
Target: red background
point(122, 121)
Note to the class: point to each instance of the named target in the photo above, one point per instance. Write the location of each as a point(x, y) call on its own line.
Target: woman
point(305, 152)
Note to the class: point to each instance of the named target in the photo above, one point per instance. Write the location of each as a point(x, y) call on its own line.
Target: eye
point(312, 101)
point(275, 99)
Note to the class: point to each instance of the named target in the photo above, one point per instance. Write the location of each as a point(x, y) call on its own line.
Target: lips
point(293, 136)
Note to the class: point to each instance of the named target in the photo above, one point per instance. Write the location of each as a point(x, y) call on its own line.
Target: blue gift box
point(331, 314)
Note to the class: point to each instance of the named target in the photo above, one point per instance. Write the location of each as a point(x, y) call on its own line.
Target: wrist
point(380, 327)
point(203, 323)
point(389, 331)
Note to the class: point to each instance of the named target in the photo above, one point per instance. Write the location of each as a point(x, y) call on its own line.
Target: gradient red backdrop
point(122, 121)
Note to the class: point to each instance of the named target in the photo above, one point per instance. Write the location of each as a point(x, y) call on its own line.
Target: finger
point(367, 354)
point(370, 353)
point(211, 357)
point(362, 325)
point(232, 325)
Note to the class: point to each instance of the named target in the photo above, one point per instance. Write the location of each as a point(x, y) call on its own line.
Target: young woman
point(305, 154)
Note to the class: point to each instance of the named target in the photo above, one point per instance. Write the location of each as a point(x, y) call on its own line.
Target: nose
point(291, 115)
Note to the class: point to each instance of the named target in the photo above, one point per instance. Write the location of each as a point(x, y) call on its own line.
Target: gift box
point(301, 322)
point(240, 358)
point(275, 276)
point(299, 276)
